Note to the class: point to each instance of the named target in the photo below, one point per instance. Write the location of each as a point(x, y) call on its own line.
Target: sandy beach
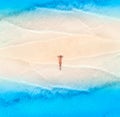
point(89, 43)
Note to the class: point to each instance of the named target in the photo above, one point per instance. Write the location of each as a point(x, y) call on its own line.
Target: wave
point(60, 4)
point(15, 7)
point(78, 4)
point(14, 93)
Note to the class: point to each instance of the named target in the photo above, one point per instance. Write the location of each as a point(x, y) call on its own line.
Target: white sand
point(90, 46)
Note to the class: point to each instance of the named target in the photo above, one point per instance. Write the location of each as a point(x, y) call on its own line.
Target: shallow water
point(29, 101)
point(104, 7)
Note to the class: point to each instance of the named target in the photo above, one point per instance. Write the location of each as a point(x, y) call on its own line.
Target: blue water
point(104, 7)
point(15, 4)
point(18, 100)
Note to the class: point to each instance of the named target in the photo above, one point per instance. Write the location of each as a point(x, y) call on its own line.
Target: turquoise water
point(28, 101)
point(104, 7)
point(15, 4)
